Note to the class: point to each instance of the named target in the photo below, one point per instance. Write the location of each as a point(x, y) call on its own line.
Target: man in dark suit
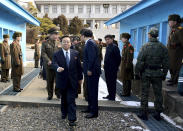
point(111, 64)
point(67, 65)
point(92, 71)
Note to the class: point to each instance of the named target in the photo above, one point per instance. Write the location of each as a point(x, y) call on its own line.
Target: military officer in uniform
point(37, 53)
point(17, 62)
point(127, 64)
point(78, 46)
point(49, 47)
point(152, 67)
point(100, 46)
point(5, 59)
point(175, 47)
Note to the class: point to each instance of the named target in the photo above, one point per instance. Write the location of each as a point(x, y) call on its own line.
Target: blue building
point(146, 14)
point(14, 18)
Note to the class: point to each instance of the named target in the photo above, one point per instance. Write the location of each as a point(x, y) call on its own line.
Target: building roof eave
point(18, 10)
point(138, 7)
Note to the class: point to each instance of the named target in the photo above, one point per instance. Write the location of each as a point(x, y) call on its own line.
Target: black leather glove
point(137, 77)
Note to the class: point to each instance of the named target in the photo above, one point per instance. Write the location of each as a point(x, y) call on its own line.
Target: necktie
point(67, 59)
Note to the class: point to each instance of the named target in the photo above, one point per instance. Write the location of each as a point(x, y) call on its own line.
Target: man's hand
point(60, 69)
point(49, 63)
point(80, 82)
point(89, 73)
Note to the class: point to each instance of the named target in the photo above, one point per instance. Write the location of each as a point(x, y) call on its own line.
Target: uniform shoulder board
point(180, 27)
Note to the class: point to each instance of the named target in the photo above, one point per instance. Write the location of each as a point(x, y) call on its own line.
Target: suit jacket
point(73, 73)
point(91, 59)
point(112, 58)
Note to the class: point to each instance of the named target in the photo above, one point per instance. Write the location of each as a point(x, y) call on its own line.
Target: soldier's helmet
point(154, 32)
point(54, 30)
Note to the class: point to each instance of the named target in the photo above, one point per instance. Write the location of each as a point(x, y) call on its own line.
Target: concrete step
point(35, 101)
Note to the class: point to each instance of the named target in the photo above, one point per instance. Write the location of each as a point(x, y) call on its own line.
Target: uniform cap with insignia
point(125, 35)
point(54, 30)
point(17, 34)
point(154, 32)
point(6, 36)
point(174, 17)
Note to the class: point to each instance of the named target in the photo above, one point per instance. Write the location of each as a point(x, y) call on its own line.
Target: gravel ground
point(4, 85)
point(48, 119)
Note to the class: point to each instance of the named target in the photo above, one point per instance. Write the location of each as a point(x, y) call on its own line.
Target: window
point(71, 9)
point(1, 33)
point(97, 9)
point(88, 9)
point(106, 10)
point(11, 34)
point(46, 9)
point(5, 31)
point(113, 26)
point(144, 35)
point(114, 9)
point(63, 9)
point(80, 9)
point(134, 38)
point(54, 8)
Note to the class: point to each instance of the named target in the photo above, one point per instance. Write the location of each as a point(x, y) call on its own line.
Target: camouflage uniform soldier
point(49, 47)
point(5, 59)
point(127, 64)
point(175, 48)
point(152, 67)
point(17, 62)
point(37, 53)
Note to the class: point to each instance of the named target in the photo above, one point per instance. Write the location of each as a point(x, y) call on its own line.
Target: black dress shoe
point(16, 90)
point(85, 111)
point(21, 89)
point(106, 97)
point(143, 116)
point(72, 123)
point(49, 98)
point(64, 116)
point(89, 116)
point(111, 99)
point(58, 96)
point(157, 116)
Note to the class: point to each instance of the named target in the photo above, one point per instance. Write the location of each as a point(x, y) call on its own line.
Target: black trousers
point(92, 89)
point(111, 83)
point(68, 105)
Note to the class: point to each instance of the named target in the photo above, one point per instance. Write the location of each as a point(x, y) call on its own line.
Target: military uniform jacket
point(5, 56)
point(127, 62)
point(16, 59)
point(152, 60)
point(37, 52)
point(79, 47)
point(49, 47)
point(175, 47)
